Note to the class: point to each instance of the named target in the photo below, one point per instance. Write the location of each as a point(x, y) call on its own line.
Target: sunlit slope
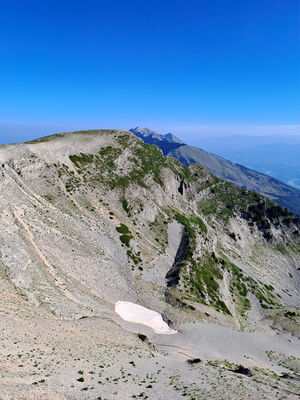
point(234, 173)
point(89, 218)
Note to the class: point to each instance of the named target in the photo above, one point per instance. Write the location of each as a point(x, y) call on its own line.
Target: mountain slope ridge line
point(107, 212)
point(231, 172)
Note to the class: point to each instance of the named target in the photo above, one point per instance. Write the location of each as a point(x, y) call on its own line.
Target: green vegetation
point(96, 167)
point(49, 197)
point(290, 362)
point(151, 161)
point(191, 224)
point(291, 314)
point(238, 288)
point(198, 222)
point(184, 256)
point(181, 170)
point(124, 139)
point(123, 229)
point(240, 285)
point(82, 159)
point(71, 182)
point(125, 206)
point(201, 280)
point(144, 159)
point(224, 200)
point(99, 163)
point(201, 277)
point(142, 337)
point(204, 277)
point(126, 235)
point(134, 257)
point(125, 239)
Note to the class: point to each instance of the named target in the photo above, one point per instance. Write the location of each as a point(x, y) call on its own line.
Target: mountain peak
point(146, 132)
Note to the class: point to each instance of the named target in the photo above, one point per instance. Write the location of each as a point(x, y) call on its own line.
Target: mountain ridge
point(91, 218)
point(234, 173)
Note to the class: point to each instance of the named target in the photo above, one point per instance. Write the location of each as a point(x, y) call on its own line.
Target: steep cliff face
point(85, 221)
point(91, 218)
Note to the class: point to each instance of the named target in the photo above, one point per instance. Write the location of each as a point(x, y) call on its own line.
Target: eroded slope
point(91, 218)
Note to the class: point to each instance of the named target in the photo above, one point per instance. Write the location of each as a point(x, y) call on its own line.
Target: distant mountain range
point(234, 173)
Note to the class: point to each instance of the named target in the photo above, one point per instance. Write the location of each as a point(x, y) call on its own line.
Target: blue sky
point(192, 67)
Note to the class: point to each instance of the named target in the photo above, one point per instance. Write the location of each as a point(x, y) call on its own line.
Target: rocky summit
point(92, 220)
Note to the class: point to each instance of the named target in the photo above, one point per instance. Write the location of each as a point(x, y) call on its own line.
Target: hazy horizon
point(206, 68)
point(222, 76)
point(21, 132)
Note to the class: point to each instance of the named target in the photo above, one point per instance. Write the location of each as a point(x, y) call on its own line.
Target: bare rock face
point(91, 218)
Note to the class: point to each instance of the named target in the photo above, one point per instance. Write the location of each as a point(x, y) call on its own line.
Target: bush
point(142, 337)
point(125, 205)
point(125, 239)
point(123, 229)
point(194, 361)
point(125, 234)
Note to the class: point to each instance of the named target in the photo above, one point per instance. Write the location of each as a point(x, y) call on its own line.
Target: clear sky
point(189, 66)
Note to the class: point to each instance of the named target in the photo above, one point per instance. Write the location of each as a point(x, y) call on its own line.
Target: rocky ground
point(97, 358)
point(76, 236)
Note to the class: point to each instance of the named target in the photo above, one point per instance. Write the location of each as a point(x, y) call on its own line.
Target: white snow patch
point(141, 315)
